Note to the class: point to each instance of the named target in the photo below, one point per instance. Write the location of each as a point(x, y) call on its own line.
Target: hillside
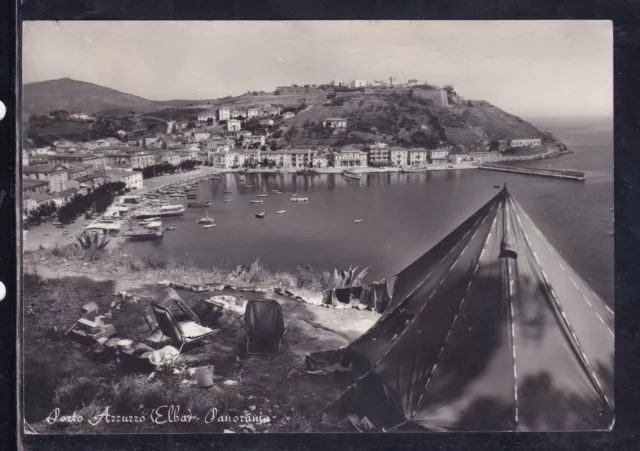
point(71, 95)
point(406, 120)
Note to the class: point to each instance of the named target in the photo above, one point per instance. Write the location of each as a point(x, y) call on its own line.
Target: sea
point(403, 215)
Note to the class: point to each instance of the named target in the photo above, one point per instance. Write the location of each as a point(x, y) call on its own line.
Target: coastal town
point(254, 137)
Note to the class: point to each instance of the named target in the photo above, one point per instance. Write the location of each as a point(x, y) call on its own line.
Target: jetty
point(557, 173)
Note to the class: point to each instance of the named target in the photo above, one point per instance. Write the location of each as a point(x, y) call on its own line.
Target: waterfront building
point(438, 156)
point(172, 158)
point(349, 157)
point(417, 156)
point(335, 122)
point(399, 156)
point(529, 142)
point(320, 161)
point(227, 160)
point(132, 180)
point(379, 154)
point(55, 174)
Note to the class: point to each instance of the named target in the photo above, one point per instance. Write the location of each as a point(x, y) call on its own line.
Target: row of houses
point(226, 113)
point(347, 157)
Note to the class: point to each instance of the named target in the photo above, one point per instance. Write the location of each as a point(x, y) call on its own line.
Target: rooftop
point(42, 169)
point(121, 173)
point(68, 192)
point(92, 176)
point(29, 183)
point(335, 119)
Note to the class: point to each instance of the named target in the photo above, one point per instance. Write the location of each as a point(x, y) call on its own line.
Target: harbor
point(566, 174)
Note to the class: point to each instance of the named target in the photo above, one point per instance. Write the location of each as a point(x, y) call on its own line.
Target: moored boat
point(208, 226)
point(358, 221)
point(261, 215)
point(206, 220)
point(198, 204)
point(351, 174)
point(281, 212)
point(263, 195)
point(256, 202)
point(299, 199)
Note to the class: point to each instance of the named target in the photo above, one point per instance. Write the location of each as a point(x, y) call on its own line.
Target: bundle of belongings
point(375, 296)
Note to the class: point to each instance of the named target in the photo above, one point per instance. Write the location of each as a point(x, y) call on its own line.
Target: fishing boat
point(198, 204)
point(256, 202)
point(163, 211)
point(358, 221)
point(171, 228)
point(351, 174)
point(206, 220)
point(261, 215)
point(281, 212)
point(227, 192)
point(299, 199)
point(263, 195)
point(152, 231)
point(208, 226)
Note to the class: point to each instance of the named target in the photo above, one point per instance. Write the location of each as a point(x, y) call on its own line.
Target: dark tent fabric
point(489, 330)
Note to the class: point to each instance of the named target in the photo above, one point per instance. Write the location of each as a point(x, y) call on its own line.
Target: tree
point(210, 121)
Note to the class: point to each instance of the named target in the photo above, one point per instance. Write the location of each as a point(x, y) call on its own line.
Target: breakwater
point(556, 173)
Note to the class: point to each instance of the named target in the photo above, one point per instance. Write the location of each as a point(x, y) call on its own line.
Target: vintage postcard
point(264, 227)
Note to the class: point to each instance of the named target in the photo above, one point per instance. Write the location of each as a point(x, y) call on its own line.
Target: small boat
point(57, 224)
point(276, 191)
point(351, 174)
point(358, 221)
point(299, 199)
point(293, 195)
point(263, 195)
point(497, 186)
point(227, 192)
point(281, 212)
point(206, 219)
point(198, 204)
point(261, 215)
point(208, 226)
point(192, 196)
point(226, 200)
point(171, 228)
point(65, 233)
point(256, 202)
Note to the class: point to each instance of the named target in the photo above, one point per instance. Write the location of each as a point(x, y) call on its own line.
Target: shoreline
point(45, 235)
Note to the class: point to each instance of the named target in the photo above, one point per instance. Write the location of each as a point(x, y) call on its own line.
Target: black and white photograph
point(317, 226)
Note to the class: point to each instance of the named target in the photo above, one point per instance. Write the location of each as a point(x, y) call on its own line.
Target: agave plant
point(93, 242)
point(349, 278)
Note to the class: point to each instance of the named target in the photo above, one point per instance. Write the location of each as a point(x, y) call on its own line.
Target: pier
point(557, 173)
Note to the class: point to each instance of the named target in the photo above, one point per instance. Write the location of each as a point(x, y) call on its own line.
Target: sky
point(529, 68)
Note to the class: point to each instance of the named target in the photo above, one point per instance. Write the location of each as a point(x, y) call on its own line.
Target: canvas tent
point(489, 330)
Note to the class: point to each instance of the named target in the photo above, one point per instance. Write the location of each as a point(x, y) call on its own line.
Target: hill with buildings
point(422, 116)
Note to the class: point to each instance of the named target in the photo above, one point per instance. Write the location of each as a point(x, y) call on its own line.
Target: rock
point(230, 382)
